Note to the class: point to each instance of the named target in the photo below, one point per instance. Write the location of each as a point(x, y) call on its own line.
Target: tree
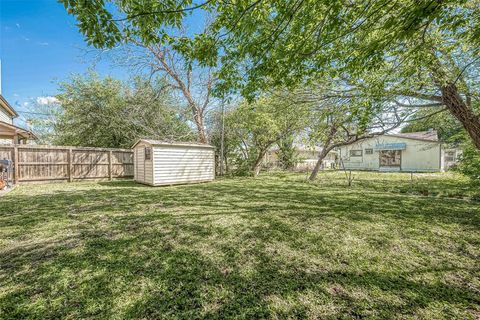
point(342, 113)
point(108, 113)
point(264, 44)
point(469, 164)
point(287, 154)
point(43, 118)
point(449, 129)
point(258, 126)
point(339, 123)
point(192, 82)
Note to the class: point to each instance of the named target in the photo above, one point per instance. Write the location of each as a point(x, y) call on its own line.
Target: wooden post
point(70, 165)
point(16, 165)
point(110, 171)
point(222, 140)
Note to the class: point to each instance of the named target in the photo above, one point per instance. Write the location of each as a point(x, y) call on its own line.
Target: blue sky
point(40, 45)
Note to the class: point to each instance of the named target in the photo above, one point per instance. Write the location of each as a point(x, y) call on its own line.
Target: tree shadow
point(227, 249)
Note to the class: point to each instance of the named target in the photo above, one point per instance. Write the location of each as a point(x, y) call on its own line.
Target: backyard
point(274, 246)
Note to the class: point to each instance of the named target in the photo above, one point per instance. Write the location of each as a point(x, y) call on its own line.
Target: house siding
point(419, 155)
point(179, 164)
point(5, 116)
point(6, 140)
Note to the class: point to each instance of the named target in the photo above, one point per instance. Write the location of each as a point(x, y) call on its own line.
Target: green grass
point(271, 247)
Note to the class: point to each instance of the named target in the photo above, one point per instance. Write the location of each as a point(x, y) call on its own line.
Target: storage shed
point(165, 163)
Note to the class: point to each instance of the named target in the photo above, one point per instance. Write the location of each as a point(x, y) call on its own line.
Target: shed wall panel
point(183, 164)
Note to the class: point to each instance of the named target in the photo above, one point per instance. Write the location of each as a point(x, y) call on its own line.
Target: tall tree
point(343, 114)
point(106, 112)
point(191, 82)
point(259, 125)
point(448, 128)
point(285, 43)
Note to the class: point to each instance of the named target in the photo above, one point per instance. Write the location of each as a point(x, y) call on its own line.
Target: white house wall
point(5, 116)
point(418, 156)
point(179, 164)
point(6, 140)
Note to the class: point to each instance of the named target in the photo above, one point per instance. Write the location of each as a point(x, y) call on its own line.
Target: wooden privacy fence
point(44, 163)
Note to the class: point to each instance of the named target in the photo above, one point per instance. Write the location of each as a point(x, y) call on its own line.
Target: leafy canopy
point(264, 43)
point(106, 112)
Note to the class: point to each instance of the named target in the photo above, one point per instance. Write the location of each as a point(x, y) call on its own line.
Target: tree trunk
point(202, 135)
point(325, 151)
point(257, 165)
point(459, 109)
point(321, 156)
point(198, 118)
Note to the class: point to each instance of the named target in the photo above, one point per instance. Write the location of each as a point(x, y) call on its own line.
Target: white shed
point(165, 163)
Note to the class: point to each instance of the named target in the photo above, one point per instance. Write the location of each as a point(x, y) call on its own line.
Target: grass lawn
point(270, 247)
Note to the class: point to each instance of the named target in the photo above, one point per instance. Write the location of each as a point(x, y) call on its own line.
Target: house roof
point(18, 130)
point(4, 103)
point(430, 135)
point(302, 147)
point(173, 143)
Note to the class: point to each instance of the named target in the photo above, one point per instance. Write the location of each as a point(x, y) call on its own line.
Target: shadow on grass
point(261, 248)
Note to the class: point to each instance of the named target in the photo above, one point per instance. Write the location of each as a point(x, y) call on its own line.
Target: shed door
point(390, 158)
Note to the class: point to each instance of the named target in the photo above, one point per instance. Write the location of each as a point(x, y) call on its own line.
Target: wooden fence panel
point(6, 153)
point(44, 163)
point(39, 164)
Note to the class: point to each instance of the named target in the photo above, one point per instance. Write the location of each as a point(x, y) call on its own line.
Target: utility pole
point(222, 139)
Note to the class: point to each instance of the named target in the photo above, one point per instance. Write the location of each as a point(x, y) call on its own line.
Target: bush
point(469, 164)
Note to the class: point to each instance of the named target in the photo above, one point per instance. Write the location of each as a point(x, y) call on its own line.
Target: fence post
point(16, 165)
point(110, 171)
point(70, 165)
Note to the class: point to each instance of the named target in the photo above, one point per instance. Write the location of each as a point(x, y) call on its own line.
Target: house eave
point(4, 103)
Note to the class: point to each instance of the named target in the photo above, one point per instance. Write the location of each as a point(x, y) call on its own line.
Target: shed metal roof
point(173, 143)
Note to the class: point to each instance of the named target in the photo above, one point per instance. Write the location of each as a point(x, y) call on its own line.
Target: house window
point(368, 151)
point(355, 153)
point(148, 153)
point(450, 156)
point(390, 158)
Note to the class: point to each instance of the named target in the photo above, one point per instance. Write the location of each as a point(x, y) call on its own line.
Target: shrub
point(469, 164)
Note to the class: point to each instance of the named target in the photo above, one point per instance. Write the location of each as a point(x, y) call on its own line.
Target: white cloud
point(25, 38)
point(42, 43)
point(46, 100)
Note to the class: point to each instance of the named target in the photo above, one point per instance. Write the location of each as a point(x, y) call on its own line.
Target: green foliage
point(43, 123)
point(108, 113)
point(287, 154)
point(259, 125)
point(280, 42)
point(390, 50)
point(230, 140)
point(470, 163)
point(448, 128)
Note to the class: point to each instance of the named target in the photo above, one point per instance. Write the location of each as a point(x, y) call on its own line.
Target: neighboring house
point(9, 133)
point(410, 152)
point(307, 157)
point(451, 157)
